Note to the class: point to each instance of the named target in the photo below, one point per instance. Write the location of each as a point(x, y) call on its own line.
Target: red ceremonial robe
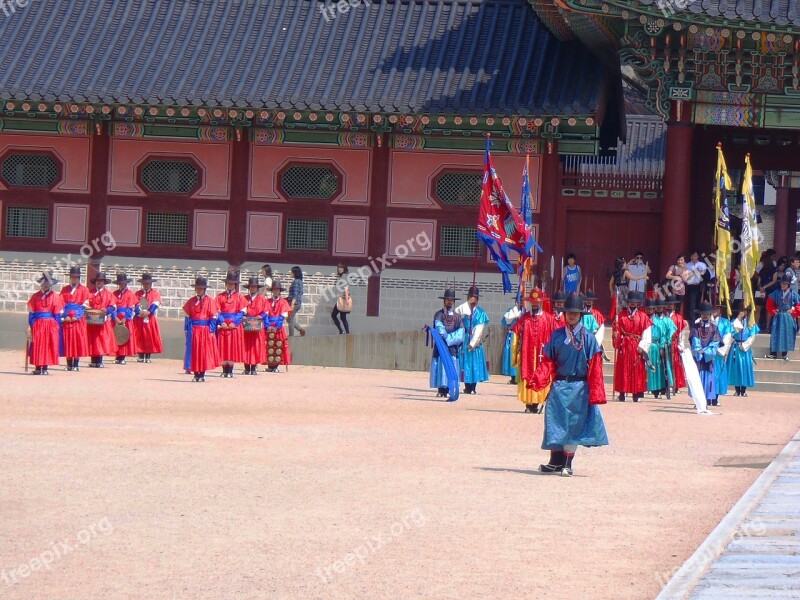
point(255, 350)
point(126, 308)
point(148, 334)
point(44, 330)
point(598, 316)
point(560, 319)
point(534, 332)
point(205, 354)
point(101, 337)
point(76, 341)
point(277, 307)
point(630, 372)
point(677, 364)
point(230, 341)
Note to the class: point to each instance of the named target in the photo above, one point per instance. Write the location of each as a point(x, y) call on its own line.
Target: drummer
point(126, 302)
point(255, 352)
point(99, 327)
point(277, 339)
point(148, 333)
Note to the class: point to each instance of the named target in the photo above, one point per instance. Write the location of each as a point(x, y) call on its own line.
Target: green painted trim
point(37, 125)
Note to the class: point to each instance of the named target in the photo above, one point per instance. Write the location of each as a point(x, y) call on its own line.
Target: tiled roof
point(780, 12)
point(463, 56)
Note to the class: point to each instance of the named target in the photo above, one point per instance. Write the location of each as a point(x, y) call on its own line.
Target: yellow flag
point(749, 239)
point(722, 230)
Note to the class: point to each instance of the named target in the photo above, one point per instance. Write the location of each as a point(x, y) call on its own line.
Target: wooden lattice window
point(169, 176)
point(167, 228)
point(27, 222)
point(457, 240)
point(306, 234)
point(458, 188)
point(30, 170)
point(310, 182)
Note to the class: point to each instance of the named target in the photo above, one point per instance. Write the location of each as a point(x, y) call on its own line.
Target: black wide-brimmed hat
point(276, 285)
point(48, 278)
point(148, 278)
point(660, 302)
point(101, 276)
point(201, 282)
point(74, 271)
point(590, 296)
point(122, 278)
point(559, 296)
point(634, 296)
point(449, 294)
point(786, 278)
point(671, 299)
point(253, 282)
point(473, 291)
point(232, 277)
point(574, 303)
point(650, 303)
point(705, 308)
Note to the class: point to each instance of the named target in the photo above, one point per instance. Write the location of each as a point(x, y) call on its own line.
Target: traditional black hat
point(660, 302)
point(650, 303)
point(634, 296)
point(590, 296)
point(253, 281)
point(574, 303)
point(473, 291)
point(705, 308)
point(122, 278)
point(559, 296)
point(672, 299)
point(232, 277)
point(48, 278)
point(100, 277)
point(148, 278)
point(201, 282)
point(449, 294)
point(787, 278)
point(74, 271)
point(276, 285)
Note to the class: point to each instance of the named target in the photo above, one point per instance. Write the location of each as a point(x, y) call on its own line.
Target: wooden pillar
point(781, 240)
point(677, 186)
point(547, 218)
point(240, 179)
point(98, 194)
point(378, 210)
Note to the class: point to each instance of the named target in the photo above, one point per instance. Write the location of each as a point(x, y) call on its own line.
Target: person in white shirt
point(638, 273)
point(695, 269)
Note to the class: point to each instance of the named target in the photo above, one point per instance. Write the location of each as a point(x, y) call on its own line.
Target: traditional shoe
point(37, 371)
point(76, 368)
point(567, 472)
point(45, 371)
point(473, 392)
point(744, 394)
point(541, 409)
point(147, 360)
point(195, 379)
point(140, 359)
point(120, 361)
point(548, 468)
point(621, 398)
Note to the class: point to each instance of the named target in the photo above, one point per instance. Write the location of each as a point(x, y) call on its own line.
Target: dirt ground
point(132, 482)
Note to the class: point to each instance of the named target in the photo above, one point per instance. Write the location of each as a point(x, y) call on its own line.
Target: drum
point(274, 346)
point(95, 316)
point(253, 324)
point(122, 334)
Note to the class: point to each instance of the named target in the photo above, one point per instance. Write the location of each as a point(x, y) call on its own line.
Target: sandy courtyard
point(132, 482)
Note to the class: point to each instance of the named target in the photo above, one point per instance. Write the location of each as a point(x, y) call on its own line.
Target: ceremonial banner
point(500, 226)
point(747, 268)
point(722, 232)
point(526, 209)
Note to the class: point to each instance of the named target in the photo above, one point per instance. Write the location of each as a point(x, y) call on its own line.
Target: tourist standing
point(344, 303)
point(571, 276)
point(295, 300)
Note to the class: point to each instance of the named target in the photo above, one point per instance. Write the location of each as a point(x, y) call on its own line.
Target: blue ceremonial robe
point(724, 326)
point(473, 362)
point(783, 326)
point(740, 360)
point(508, 368)
point(705, 342)
point(451, 328)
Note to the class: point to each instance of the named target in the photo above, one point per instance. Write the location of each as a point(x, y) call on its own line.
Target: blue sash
point(79, 309)
point(188, 324)
point(237, 318)
point(453, 378)
point(276, 322)
point(128, 312)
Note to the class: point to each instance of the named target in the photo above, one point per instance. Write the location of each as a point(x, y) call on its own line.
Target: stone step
point(761, 386)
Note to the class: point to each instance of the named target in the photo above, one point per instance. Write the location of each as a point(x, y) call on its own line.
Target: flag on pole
point(722, 230)
point(500, 226)
point(526, 210)
point(750, 234)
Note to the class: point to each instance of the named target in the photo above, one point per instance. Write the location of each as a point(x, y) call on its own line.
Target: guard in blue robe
point(660, 350)
point(473, 357)
point(725, 328)
point(705, 341)
point(509, 319)
point(740, 359)
point(783, 327)
point(450, 327)
point(572, 363)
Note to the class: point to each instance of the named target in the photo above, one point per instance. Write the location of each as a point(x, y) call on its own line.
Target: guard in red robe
point(231, 307)
point(255, 350)
point(277, 313)
point(101, 336)
point(200, 324)
point(126, 302)
point(558, 308)
point(630, 374)
point(145, 322)
point(679, 340)
point(44, 310)
point(534, 329)
point(75, 341)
